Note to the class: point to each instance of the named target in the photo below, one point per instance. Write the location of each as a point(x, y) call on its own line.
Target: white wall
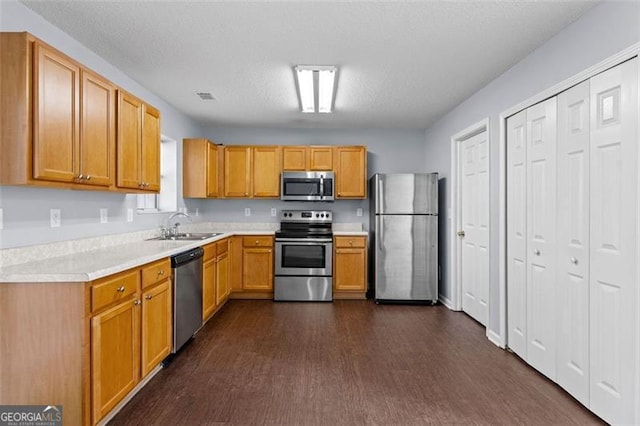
point(389, 151)
point(603, 31)
point(26, 210)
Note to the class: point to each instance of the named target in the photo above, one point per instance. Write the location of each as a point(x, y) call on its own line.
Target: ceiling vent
point(205, 96)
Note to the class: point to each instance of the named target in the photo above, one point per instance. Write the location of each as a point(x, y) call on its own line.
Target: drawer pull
point(137, 302)
point(148, 296)
point(351, 242)
point(121, 289)
point(161, 272)
point(257, 242)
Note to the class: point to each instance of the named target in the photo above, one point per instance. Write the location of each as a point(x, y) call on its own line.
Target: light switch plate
point(54, 218)
point(129, 215)
point(247, 211)
point(1, 219)
point(359, 212)
point(273, 211)
point(197, 211)
point(103, 215)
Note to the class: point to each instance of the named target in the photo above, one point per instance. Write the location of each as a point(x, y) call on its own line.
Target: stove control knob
point(322, 215)
point(317, 215)
point(328, 215)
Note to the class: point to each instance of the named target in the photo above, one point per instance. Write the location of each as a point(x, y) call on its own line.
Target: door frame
point(455, 248)
point(611, 61)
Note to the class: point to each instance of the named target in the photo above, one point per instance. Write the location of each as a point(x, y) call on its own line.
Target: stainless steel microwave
point(307, 186)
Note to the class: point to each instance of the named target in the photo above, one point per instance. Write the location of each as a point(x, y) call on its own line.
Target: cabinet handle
point(269, 251)
point(161, 272)
point(337, 251)
point(148, 297)
point(88, 177)
point(574, 260)
point(350, 242)
point(536, 252)
point(136, 302)
point(257, 242)
point(80, 177)
point(121, 289)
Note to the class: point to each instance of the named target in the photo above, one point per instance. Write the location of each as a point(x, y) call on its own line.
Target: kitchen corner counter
point(93, 264)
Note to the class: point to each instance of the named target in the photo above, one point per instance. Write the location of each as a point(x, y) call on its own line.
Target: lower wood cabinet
point(350, 264)
point(215, 280)
point(257, 263)
point(131, 334)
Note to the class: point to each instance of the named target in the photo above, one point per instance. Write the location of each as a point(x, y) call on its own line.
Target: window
point(167, 199)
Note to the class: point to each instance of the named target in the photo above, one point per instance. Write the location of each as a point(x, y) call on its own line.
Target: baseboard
point(494, 338)
point(106, 419)
point(256, 295)
point(446, 302)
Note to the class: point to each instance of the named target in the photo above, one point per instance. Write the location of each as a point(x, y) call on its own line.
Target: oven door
point(304, 257)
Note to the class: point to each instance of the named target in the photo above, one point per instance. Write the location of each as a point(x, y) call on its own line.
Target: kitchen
point(25, 211)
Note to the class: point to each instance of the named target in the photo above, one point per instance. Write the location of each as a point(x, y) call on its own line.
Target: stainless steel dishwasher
point(187, 295)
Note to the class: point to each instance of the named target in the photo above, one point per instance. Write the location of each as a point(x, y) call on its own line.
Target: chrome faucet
point(173, 231)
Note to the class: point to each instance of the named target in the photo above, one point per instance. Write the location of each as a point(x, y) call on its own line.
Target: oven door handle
point(303, 240)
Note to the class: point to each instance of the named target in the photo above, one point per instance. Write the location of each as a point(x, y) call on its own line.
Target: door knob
point(461, 234)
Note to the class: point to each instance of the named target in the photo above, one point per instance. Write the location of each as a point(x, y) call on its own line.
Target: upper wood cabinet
point(266, 171)
point(58, 118)
point(301, 158)
point(350, 167)
point(64, 126)
point(252, 171)
point(138, 144)
point(202, 168)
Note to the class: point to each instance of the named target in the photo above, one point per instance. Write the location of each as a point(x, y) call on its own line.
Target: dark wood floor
point(347, 363)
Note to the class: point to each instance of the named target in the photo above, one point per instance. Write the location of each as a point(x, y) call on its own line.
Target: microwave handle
point(321, 186)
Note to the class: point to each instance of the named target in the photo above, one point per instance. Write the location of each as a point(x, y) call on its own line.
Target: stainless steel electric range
point(304, 256)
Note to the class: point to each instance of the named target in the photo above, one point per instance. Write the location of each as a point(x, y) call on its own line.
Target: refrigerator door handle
point(380, 188)
point(381, 228)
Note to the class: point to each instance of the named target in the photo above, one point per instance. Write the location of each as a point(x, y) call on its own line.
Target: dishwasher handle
point(186, 257)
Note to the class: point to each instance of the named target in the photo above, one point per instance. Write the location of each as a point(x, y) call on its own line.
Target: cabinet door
point(56, 116)
point(351, 172)
point(213, 170)
point(150, 149)
point(257, 270)
point(517, 233)
point(222, 274)
point(97, 130)
point(350, 269)
point(237, 171)
point(115, 355)
point(613, 322)
point(209, 290)
point(541, 237)
point(128, 141)
point(573, 242)
point(266, 171)
point(294, 158)
point(157, 336)
point(235, 263)
point(320, 158)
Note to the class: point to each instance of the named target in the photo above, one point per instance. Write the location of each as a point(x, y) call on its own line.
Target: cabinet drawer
point(156, 272)
point(222, 246)
point(257, 241)
point(209, 252)
point(350, 242)
point(114, 288)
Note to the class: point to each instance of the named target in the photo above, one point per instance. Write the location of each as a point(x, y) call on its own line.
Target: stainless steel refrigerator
point(403, 237)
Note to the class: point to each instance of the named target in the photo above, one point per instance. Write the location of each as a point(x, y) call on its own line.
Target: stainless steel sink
point(191, 236)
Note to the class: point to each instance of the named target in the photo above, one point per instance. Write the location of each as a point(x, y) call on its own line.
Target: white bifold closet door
point(614, 310)
point(573, 241)
point(517, 234)
point(541, 236)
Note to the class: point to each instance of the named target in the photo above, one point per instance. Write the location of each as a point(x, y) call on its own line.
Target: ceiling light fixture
point(316, 82)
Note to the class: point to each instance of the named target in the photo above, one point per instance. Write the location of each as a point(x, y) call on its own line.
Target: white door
point(573, 242)
point(517, 234)
point(541, 237)
point(614, 256)
point(474, 202)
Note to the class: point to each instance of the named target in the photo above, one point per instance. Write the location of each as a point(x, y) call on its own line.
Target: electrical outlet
point(247, 211)
point(273, 211)
point(129, 215)
point(359, 212)
point(103, 215)
point(1, 219)
point(54, 218)
point(197, 211)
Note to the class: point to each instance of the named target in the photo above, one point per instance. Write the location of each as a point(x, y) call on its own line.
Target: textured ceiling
point(401, 64)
